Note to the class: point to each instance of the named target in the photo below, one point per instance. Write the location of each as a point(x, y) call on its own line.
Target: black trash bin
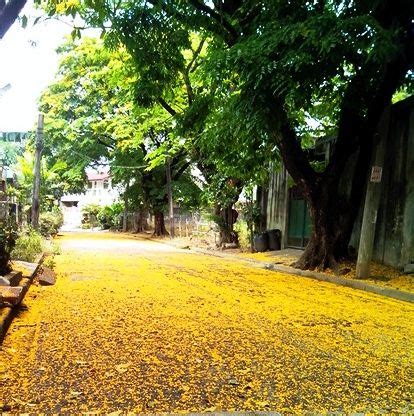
point(261, 242)
point(274, 239)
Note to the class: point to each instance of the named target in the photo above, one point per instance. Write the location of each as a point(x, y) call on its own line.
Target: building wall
point(394, 235)
point(278, 203)
point(95, 193)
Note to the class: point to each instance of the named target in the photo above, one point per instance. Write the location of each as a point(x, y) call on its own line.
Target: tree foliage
point(94, 119)
point(274, 77)
point(53, 184)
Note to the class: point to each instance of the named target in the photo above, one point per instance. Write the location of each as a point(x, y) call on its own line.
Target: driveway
point(138, 326)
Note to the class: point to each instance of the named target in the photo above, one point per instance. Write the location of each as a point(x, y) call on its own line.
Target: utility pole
point(36, 181)
point(372, 199)
point(3, 191)
point(170, 199)
point(126, 209)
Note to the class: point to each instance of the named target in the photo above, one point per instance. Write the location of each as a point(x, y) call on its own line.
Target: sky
point(28, 62)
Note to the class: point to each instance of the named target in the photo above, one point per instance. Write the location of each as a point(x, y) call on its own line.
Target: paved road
point(134, 325)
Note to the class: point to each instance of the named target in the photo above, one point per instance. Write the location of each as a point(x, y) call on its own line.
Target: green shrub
point(243, 232)
point(50, 262)
point(56, 249)
point(90, 216)
point(109, 215)
point(28, 246)
point(50, 222)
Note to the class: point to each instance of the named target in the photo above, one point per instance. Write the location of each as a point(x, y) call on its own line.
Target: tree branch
point(230, 6)
point(143, 148)
point(181, 170)
point(166, 106)
point(196, 54)
point(186, 72)
point(188, 87)
point(9, 13)
point(108, 145)
point(355, 131)
point(219, 18)
point(294, 158)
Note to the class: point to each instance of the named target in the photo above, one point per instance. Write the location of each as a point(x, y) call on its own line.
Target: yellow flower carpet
point(135, 326)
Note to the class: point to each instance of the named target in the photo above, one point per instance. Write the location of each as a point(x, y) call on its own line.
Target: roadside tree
point(287, 58)
point(92, 119)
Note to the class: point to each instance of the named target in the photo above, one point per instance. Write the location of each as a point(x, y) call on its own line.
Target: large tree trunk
point(332, 227)
point(367, 94)
point(140, 221)
point(333, 210)
point(225, 219)
point(159, 225)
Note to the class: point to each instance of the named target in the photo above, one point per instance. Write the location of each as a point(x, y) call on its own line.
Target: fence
point(191, 225)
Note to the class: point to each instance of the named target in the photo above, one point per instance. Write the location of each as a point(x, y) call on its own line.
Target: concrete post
point(372, 199)
point(170, 197)
point(126, 209)
point(36, 182)
point(407, 250)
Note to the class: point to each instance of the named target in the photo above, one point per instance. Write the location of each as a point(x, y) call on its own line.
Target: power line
point(107, 164)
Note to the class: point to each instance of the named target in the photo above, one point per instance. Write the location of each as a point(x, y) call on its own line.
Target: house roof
point(98, 176)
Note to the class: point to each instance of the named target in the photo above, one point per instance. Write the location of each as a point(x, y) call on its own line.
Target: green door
point(300, 224)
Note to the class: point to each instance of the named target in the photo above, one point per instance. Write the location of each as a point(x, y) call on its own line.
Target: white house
point(99, 191)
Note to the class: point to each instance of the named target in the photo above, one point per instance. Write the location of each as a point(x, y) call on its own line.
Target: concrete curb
point(355, 284)
point(324, 277)
point(7, 313)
